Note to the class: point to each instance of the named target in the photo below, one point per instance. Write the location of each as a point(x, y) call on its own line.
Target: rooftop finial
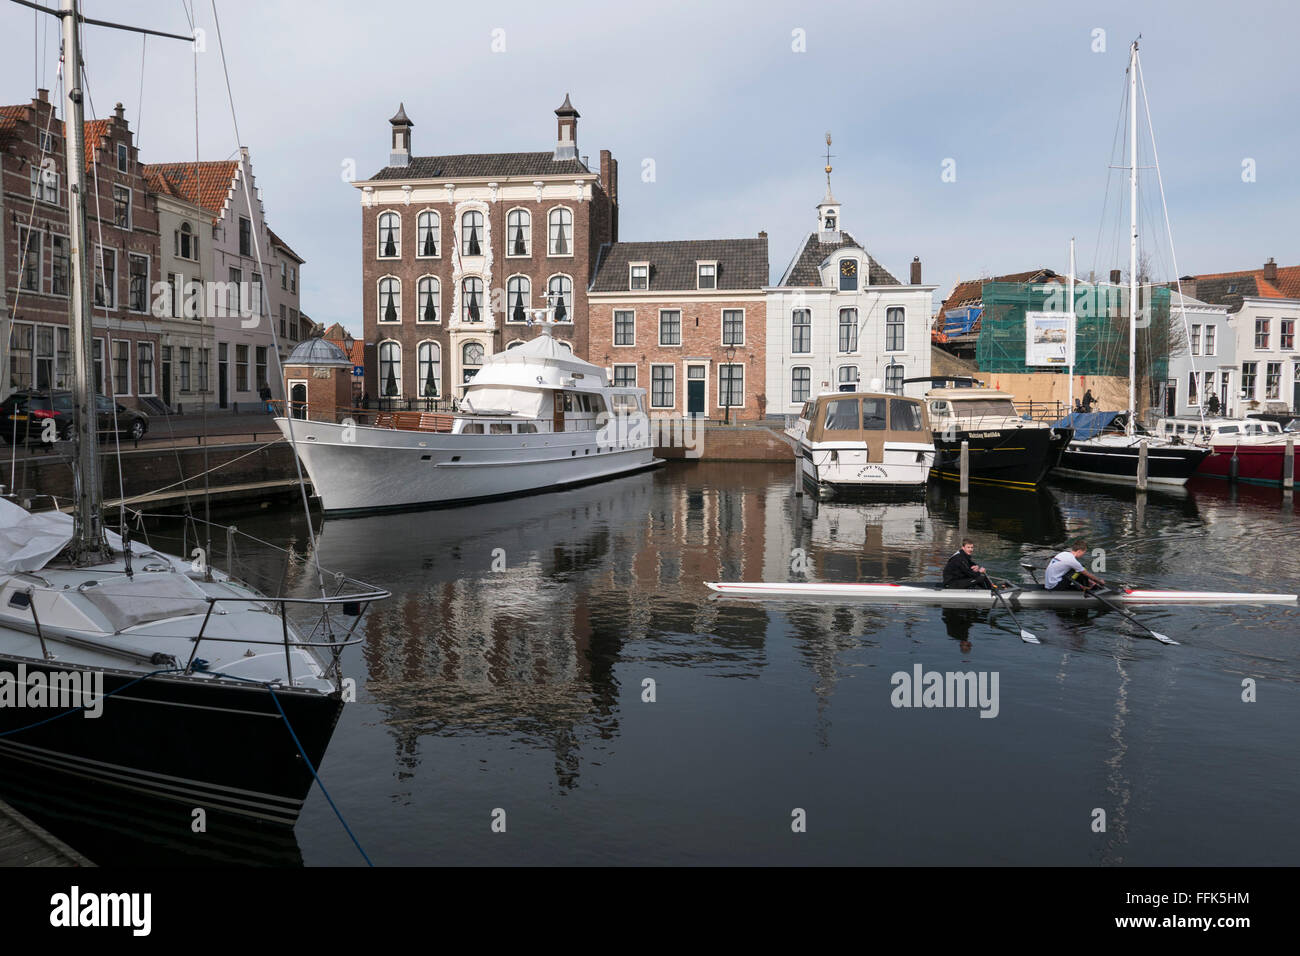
point(829, 198)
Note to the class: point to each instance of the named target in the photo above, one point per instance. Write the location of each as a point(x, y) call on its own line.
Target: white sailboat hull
point(355, 469)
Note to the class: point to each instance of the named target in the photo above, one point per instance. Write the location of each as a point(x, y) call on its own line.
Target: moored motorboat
point(1003, 448)
point(1250, 450)
point(863, 443)
point(534, 418)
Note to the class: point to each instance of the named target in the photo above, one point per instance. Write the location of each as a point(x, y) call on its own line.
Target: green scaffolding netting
point(1101, 327)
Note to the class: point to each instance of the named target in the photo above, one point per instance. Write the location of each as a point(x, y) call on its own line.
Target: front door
point(1171, 399)
point(695, 390)
point(298, 399)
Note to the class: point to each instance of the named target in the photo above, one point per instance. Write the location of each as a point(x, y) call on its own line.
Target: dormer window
point(639, 275)
point(848, 275)
point(706, 275)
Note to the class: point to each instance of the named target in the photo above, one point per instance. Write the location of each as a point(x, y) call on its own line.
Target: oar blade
point(1163, 639)
point(1028, 638)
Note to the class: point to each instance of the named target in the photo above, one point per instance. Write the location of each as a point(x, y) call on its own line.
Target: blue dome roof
point(318, 352)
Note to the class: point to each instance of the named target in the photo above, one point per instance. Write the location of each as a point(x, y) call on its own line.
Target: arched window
point(515, 344)
point(560, 233)
point(564, 345)
point(390, 236)
point(428, 291)
point(471, 299)
point(519, 233)
point(429, 359)
point(847, 378)
point(519, 298)
point(427, 227)
point(390, 370)
point(390, 299)
point(471, 359)
point(559, 296)
point(471, 233)
point(187, 243)
point(894, 379)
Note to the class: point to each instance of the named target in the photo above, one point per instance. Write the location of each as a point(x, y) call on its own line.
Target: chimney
point(762, 233)
point(1189, 286)
point(400, 154)
point(916, 270)
point(1114, 276)
point(43, 95)
point(566, 144)
point(1270, 270)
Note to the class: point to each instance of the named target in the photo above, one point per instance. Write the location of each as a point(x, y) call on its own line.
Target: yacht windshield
point(983, 408)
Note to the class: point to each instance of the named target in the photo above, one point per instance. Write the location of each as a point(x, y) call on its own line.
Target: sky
point(1017, 102)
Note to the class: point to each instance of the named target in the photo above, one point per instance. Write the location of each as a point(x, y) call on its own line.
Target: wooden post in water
point(1234, 465)
point(1142, 465)
point(965, 466)
point(1288, 466)
point(798, 475)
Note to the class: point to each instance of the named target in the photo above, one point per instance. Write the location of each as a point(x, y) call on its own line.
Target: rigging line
point(1110, 172)
point(139, 102)
point(1173, 254)
point(144, 322)
point(265, 298)
point(6, 337)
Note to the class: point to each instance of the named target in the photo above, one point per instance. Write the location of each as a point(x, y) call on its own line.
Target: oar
point(999, 599)
point(1163, 639)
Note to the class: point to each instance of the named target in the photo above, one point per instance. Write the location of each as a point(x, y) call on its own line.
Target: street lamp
point(726, 404)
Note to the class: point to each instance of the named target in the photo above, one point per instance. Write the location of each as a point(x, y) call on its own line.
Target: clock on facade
point(848, 268)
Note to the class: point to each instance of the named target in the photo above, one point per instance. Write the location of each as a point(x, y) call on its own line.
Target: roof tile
point(742, 264)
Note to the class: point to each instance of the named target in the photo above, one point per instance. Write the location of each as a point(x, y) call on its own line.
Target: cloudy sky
point(731, 101)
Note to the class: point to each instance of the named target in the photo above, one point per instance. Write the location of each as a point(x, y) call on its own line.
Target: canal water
point(554, 667)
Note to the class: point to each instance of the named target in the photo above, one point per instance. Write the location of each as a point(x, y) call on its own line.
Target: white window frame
point(1210, 343)
point(379, 235)
point(672, 368)
point(148, 283)
point(379, 295)
point(839, 377)
point(700, 264)
point(722, 317)
point(485, 305)
point(903, 324)
point(573, 231)
point(614, 328)
point(1196, 338)
point(808, 351)
point(112, 366)
point(631, 277)
point(437, 363)
point(110, 292)
point(130, 213)
point(659, 329)
point(462, 238)
point(857, 331)
point(732, 365)
point(419, 305)
point(902, 373)
point(379, 366)
point(800, 368)
point(436, 230)
point(528, 233)
point(569, 304)
point(39, 234)
point(1268, 333)
point(41, 189)
point(1281, 340)
point(67, 275)
point(614, 373)
point(528, 298)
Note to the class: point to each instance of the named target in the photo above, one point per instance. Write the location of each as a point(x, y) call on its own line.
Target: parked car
point(24, 413)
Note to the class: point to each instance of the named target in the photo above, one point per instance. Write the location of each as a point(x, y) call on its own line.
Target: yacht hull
point(1116, 461)
point(1011, 458)
point(1258, 464)
point(367, 470)
point(219, 746)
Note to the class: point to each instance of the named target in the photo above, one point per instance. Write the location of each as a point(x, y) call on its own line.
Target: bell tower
point(400, 154)
point(828, 210)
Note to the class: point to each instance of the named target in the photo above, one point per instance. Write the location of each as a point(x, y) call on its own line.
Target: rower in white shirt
point(1064, 570)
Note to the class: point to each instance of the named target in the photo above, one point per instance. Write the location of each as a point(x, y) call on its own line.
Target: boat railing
point(413, 415)
point(318, 608)
point(1042, 411)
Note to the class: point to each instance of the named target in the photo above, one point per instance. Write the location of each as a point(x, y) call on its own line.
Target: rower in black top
point(961, 571)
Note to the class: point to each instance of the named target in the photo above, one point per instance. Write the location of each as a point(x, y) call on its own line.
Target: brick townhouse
point(460, 252)
point(122, 223)
point(687, 321)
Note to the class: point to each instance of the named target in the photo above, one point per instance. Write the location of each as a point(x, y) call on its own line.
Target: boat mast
point(1069, 332)
point(88, 545)
point(1133, 235)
